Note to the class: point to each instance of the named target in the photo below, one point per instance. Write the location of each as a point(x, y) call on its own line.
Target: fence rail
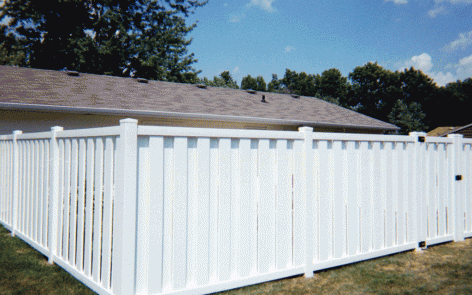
point(167, 210)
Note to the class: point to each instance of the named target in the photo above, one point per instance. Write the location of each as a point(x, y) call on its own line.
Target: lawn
point(441, 269)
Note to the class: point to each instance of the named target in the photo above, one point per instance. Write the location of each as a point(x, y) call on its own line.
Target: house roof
point(440, 131)
point(35, 89)
point(466, 131)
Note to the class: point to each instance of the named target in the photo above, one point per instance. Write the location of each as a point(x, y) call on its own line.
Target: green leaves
point(257, 84)
point(145, 38)
point(223, 80)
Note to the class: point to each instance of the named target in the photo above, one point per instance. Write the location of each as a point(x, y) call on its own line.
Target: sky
point(265, 37)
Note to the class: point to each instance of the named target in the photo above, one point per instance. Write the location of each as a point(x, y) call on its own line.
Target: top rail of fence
point(225, 133)
point(362, 137)
point(467, 140)
point(6, 137)
point(90, 132)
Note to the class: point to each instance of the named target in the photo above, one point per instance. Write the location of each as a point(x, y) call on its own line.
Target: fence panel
point(213, 243)
point(219, 209)
point(362, 207)
point(467, 183)
point(436, 193)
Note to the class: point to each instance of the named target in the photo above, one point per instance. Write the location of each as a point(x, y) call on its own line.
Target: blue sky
point(262, 37)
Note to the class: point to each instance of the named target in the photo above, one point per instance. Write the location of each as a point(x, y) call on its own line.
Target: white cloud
point(236, 70)
point(289, 49)
point(464, 40)
point(237, 18)
point(420, 62)
point(455, 1)
point(439, 10)
point(398, 1)
point(424, 63)
point(442, 79)
point(263, 4)
point(464, 68)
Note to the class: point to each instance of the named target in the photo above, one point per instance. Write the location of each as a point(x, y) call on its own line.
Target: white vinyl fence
point(168, 210)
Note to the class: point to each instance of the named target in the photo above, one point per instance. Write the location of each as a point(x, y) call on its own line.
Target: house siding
point(33, 121)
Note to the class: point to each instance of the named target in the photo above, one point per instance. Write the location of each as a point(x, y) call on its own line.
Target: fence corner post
point(15, 174)
point(53, 193)
point(124, 216)
point(418, 183)
point(309, 199)
point(457, 189)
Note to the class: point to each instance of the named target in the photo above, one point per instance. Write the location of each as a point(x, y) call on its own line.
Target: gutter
point(125, 112)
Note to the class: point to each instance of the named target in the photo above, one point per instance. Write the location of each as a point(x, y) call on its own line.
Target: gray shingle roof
point(33, 88)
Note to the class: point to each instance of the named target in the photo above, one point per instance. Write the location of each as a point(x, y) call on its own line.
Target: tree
point(409, 117)
point(374, 90)
point(417, 87)
point(450, 107)
point(223, 80)
point(274, 84)
point(144, 38)
point(9, 49)
point(301, 84)
point(261, 84)
point(249, 82)
point(331, 83)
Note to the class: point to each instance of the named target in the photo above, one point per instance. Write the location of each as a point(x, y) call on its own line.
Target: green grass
point(442, 269)
point(23, 270)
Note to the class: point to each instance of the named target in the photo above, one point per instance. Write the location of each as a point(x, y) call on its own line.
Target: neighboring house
point(34, 100)
point(439, 131)
point(466, 131)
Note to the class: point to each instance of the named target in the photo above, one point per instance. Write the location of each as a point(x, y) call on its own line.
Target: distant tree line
point(409, 99)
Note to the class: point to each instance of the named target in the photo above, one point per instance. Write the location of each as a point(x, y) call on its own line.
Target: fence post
point(418, 182)
point(456, 169)
point(53, 193)
point(124, 219)
point(309, 199)
point(15, 175)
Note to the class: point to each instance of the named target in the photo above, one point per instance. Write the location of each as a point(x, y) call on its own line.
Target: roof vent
point(263, 99)
point(295, 95)
point(201, 86)
point(72, 73)
point(142, 80)
point(251, 91)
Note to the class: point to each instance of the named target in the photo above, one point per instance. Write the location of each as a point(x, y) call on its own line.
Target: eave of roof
point(456, 130)
point(175, 115)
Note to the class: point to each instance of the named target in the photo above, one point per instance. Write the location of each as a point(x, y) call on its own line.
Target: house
point(33, 100)
point(439, 131)
point(466, 131)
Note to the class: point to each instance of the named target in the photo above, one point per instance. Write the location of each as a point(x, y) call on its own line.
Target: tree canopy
point(145, 38)
point(223, 80)
point(257, 83)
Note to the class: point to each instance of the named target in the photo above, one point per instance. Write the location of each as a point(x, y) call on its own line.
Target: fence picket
point(108, 181)
point(339, 211)
point(283, 207)
point(248, 217)
point(73, 202)
point(325, 203)
point(352, 201)
point(97, 210)
point(224, 210)
point(180, 218)
point(89, 196)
